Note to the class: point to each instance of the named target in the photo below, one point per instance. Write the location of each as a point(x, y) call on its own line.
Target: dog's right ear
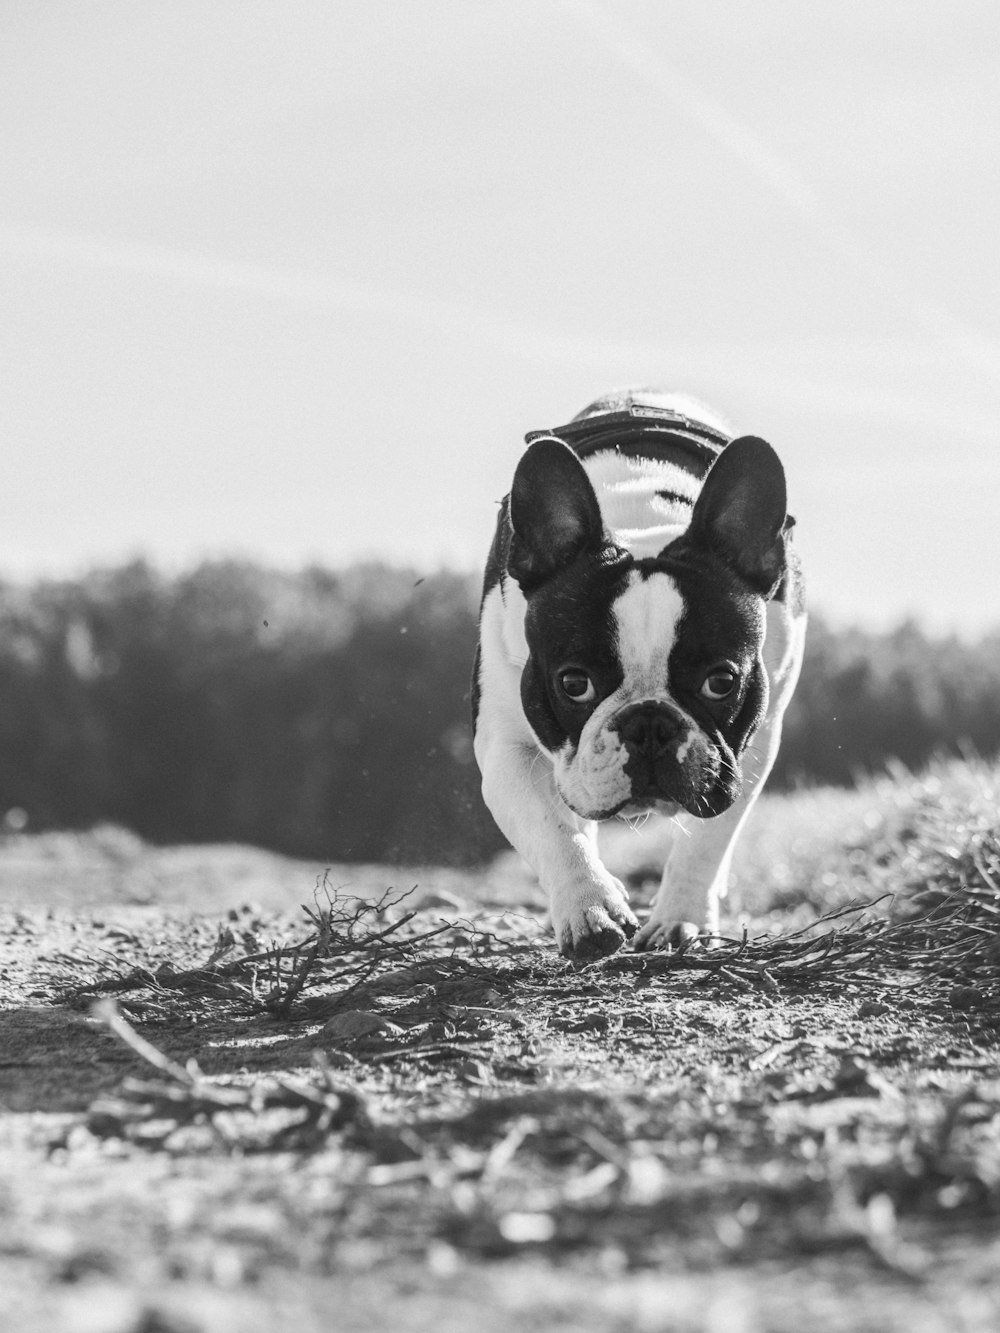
point(553, 511)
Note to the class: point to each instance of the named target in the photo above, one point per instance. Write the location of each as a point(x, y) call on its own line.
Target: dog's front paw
point(667, 935)
point(592, 921)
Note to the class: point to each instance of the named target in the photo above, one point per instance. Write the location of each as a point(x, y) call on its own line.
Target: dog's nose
point(648, 729)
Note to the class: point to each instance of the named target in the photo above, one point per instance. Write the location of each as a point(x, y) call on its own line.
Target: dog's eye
point(718, 684)
point(577, 685)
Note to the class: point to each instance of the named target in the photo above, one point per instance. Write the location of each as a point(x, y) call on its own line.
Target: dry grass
point(395, 1089)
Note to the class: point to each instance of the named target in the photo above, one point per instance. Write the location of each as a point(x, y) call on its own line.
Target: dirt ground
point(397, 1108)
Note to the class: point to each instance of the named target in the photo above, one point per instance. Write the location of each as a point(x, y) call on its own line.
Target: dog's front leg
point(696, 876)
point(590, 915)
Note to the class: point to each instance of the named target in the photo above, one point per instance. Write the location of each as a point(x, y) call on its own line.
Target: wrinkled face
point(645, 682)
point(644, 678)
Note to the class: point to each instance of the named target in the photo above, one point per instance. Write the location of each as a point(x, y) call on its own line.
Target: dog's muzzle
point(664, 762)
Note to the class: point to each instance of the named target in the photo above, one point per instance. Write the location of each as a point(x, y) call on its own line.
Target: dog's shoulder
point(501, 650)
point(499, 553)
point(792, 588)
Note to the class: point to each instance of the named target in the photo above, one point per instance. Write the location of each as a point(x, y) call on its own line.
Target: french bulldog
point(641, 632)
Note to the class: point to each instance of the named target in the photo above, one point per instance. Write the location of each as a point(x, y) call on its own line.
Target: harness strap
point(643, 431)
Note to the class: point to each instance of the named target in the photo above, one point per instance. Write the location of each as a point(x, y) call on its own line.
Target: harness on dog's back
point(643, 430)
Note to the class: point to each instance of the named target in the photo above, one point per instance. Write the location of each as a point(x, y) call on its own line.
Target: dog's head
point(644, 678)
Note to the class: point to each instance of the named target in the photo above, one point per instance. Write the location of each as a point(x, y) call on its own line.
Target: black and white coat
point(641, 633)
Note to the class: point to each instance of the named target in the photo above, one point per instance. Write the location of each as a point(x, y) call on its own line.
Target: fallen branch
point(956, 938)
point(151, 1111)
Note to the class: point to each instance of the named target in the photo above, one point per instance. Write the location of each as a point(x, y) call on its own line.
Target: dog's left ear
point(740, 513)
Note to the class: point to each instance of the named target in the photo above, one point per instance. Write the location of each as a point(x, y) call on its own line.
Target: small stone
point(527, 1228)
point(473, 1071)
point(354, 1024)
point(442, 898)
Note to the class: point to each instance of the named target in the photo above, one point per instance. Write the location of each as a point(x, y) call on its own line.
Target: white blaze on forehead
point(646, 615)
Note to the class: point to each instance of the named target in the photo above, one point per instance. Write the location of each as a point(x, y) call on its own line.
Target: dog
point(641, 627)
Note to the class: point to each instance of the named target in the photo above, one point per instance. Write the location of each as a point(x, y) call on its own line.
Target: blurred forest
point(326, 714)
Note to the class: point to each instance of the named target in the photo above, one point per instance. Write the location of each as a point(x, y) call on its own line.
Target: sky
point(291, 280)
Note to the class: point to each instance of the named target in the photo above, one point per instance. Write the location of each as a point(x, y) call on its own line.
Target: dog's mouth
point(636, 807)
point(633, 807)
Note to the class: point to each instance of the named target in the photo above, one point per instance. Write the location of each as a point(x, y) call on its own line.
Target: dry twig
point(151, 1111)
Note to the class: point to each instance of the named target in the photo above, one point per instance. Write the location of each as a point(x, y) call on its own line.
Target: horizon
point(180, 570)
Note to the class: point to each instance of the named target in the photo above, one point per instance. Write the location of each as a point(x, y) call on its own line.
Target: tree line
point(326, 714)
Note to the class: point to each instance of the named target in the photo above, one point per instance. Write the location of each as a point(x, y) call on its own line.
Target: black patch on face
point(723, 623)
point(569, 624)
